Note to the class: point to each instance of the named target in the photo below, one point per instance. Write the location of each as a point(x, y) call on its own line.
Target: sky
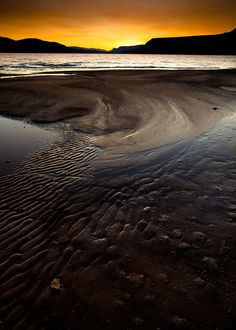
point(112, 23)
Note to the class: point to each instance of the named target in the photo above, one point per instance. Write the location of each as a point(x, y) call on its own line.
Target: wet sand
point(127, 221)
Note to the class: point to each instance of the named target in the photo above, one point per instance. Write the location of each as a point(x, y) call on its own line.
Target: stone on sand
point(210, 263)
point(176, 233)
point(55, 285)
point(198, 236)
point(147, 209)
point(184, 246)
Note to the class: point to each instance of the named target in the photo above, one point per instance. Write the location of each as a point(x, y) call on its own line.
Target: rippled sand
point(127, 221)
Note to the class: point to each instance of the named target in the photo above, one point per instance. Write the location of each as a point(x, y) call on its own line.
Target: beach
point(126, 219)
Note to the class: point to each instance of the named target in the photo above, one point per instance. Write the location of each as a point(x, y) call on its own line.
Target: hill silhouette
point(218, 44)
point(32, 45)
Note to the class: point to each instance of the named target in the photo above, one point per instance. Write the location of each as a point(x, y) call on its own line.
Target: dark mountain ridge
point(218, 44)
point(33, 45)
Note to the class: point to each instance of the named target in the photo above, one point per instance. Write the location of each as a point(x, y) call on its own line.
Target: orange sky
point(108, 23)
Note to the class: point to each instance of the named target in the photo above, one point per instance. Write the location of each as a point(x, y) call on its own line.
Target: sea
point(13, 65)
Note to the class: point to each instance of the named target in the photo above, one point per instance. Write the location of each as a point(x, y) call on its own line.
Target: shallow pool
point(18, 139)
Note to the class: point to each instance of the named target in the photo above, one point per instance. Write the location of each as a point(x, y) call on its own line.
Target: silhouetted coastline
point(218, 44)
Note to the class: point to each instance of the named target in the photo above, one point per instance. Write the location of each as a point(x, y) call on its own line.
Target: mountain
point(87, 50)
point(32, 45)
point(126, 49)
point(219, 44)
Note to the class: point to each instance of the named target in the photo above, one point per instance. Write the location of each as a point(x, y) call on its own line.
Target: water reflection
point(17, 139)
point(21, 64)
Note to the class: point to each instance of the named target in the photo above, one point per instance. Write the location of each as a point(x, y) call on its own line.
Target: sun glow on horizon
point(107, 24)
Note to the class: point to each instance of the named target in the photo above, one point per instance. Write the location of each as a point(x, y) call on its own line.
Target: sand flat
point(125, 110)
point(128, 220)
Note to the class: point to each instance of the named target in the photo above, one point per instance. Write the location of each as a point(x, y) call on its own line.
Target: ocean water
point(12, 65)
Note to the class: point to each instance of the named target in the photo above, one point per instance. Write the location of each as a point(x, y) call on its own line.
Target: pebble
point(55, 284)
point(211, 263)
point(147, 209)
point(184, 246)
point(180, 322)
point(164, 239)
point(137, 280)
point(198, 236)
point(117, 195)
point(140, 200)
point(138, 321)
point(164, 278)
point(199, 282)
point(176, 233)
point(163, 218)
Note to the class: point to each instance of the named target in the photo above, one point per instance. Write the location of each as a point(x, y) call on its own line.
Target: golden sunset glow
point(107, 23)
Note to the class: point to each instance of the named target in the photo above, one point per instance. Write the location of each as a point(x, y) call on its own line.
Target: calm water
point(22, 64)
point(17, 139)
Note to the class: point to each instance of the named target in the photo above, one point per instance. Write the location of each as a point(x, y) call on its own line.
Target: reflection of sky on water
point(17, 139)
point(21, 64)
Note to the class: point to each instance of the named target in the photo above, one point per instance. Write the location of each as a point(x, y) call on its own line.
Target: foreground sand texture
point(127, 221)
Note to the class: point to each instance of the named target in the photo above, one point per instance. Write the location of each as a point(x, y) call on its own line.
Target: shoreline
point(124, 70)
